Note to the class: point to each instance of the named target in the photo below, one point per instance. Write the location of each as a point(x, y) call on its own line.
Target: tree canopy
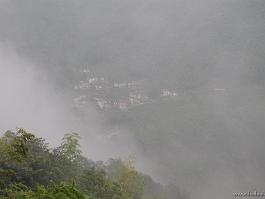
point(29, 169)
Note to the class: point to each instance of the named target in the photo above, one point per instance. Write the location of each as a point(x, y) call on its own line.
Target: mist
point(209, 142)
point(29, 100)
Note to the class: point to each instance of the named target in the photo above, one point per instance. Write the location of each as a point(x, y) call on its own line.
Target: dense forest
point(29, 169)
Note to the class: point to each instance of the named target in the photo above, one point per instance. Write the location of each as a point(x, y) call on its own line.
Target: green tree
point(129, 179)
point(52, 191)
point(67, 157)
point(70, 148)
point(14, 151)
point(29, 169)
point(13, 146)
point(97, 185)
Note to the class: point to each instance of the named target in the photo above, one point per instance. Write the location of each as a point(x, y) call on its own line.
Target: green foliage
point(14, 151)
point(20, 142)
point(67, 158)
point(30, 170)
point(13, 146)
point(53, 191)
point(70, 148)
point(129, 179)
point(95, 183)
point(17, 191)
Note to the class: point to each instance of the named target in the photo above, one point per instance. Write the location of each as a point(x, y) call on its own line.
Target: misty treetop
point(29, 169)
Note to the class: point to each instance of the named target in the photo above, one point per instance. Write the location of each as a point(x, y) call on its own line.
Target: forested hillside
point(29, 169)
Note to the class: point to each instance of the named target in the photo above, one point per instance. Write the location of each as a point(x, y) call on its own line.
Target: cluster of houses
point(101, 83)
point(124, 103)
point(168, 93)
point(102, 93)
point(105, 104)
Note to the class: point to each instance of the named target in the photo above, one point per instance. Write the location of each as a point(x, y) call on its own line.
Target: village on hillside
point(109, 94)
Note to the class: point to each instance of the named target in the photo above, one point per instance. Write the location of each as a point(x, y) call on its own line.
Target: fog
point(29, 100)
point(209, 142)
